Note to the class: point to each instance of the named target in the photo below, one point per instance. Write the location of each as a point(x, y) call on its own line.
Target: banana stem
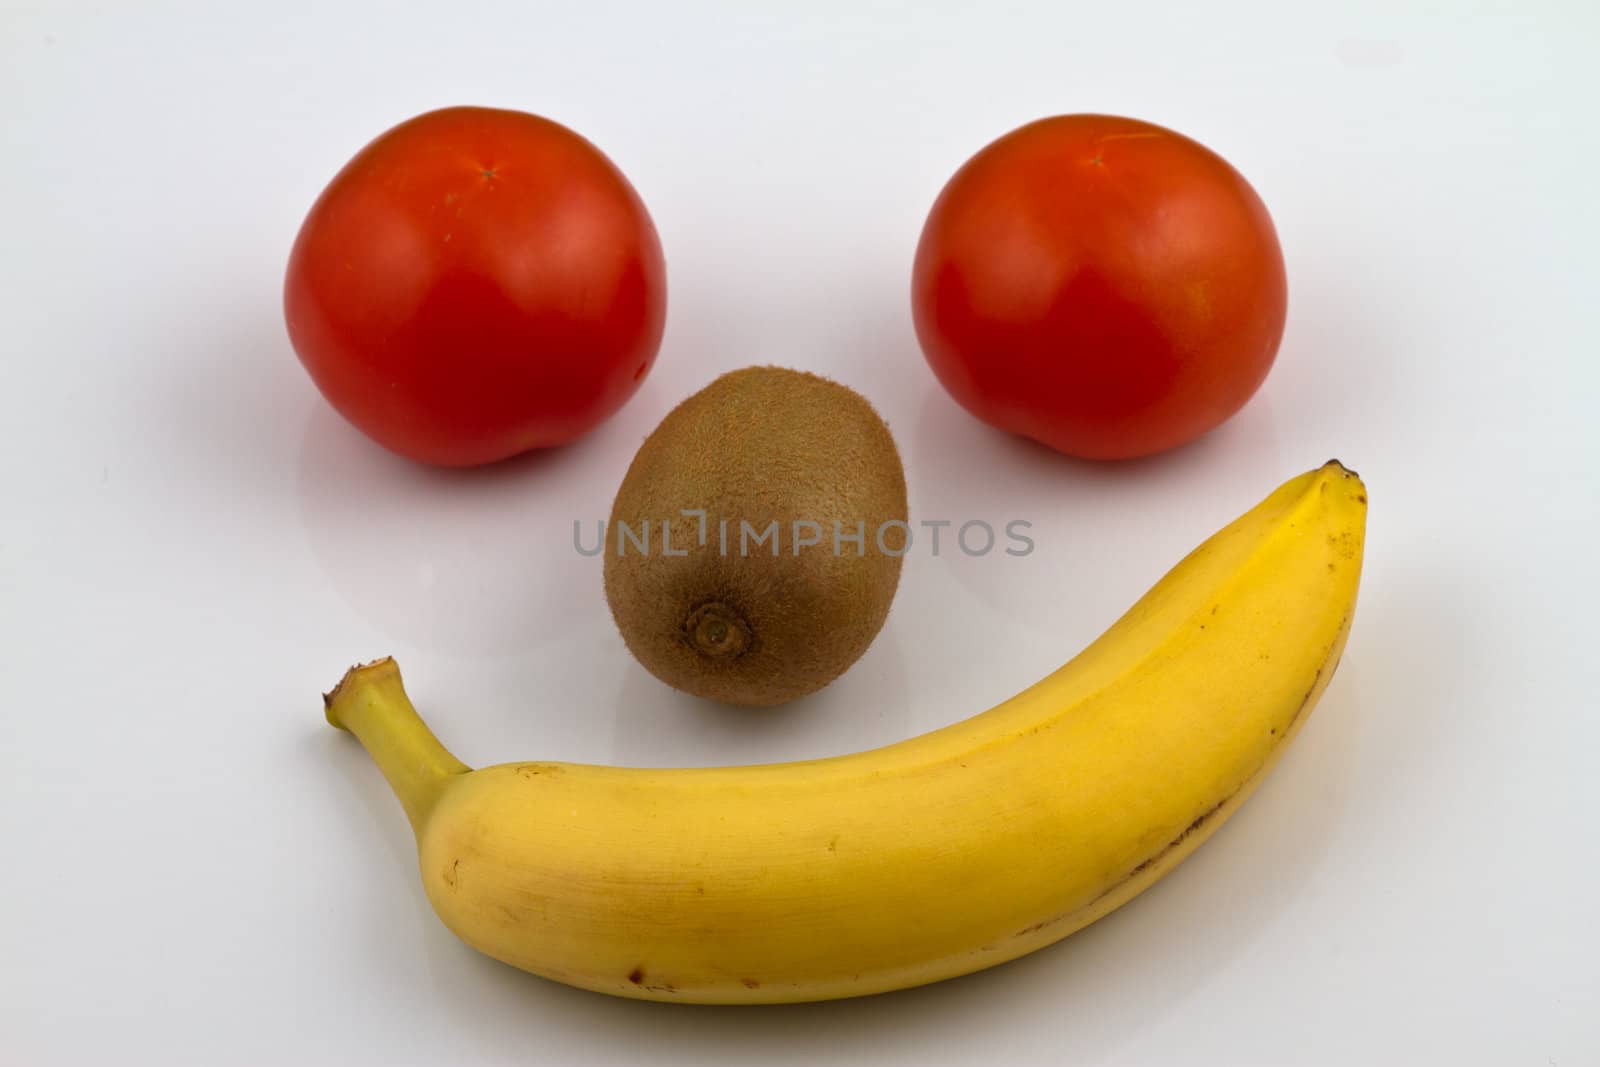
point(371, 703)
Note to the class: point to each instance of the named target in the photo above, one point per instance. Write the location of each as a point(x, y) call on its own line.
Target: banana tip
point(352, 678)
point(1337, 465)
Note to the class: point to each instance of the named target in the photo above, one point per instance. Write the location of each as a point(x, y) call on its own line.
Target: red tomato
point(1100, 284)
point(476, 283)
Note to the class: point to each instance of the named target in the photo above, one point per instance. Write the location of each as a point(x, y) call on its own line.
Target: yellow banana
point(940, 855)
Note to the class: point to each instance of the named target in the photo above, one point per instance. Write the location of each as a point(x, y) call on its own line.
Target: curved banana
point(940, 855)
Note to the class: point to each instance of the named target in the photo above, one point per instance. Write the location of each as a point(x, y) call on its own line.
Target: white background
point(192, 545)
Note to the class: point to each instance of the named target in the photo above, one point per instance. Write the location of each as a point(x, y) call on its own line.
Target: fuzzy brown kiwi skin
point(757, 445)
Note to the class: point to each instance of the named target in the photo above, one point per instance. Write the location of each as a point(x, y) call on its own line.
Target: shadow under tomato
point(476, 562)
point(1089, 522)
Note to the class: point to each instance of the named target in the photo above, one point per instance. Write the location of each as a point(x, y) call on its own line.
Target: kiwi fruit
point(755, 543)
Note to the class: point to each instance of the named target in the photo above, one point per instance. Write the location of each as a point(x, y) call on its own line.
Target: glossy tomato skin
point(476, 283)
point(1102, 285)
